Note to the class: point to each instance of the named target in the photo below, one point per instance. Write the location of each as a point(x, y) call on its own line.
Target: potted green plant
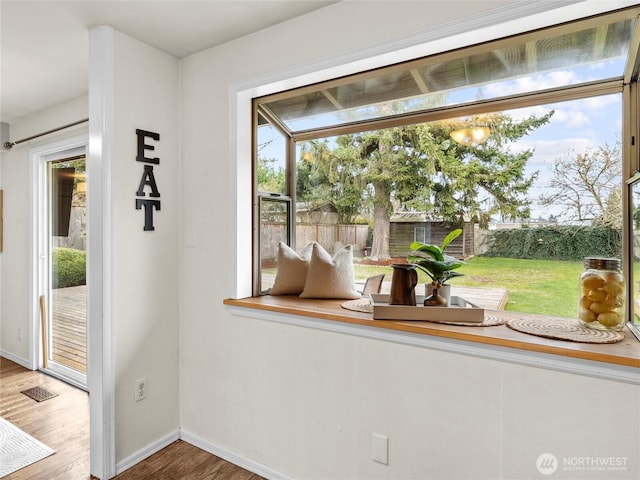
point(439, 266)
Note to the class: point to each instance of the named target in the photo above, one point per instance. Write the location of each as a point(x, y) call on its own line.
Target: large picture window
point(520, 142)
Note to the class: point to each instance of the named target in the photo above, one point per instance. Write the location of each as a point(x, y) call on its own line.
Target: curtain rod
point(9, 145)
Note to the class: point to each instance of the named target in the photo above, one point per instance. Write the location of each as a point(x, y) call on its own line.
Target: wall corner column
point(101, 355)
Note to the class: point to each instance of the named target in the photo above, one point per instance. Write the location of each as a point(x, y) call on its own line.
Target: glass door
point(63, 303)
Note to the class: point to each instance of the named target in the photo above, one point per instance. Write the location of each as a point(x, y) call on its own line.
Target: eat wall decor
point(148, 178)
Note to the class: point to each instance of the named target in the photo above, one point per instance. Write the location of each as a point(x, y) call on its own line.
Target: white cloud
point(583, 113)
point(546, 151)
point(576, 118)
point(531, 83)
point(596, 103)
point(522, 113)
point(572, 117)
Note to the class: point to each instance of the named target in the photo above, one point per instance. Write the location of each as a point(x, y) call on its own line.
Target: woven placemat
point(489, 321)
point(359, 305)
point(364, 305)
point(563, 329)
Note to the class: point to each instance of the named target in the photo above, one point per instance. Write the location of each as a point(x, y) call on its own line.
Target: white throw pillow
point(330, 277)
point(292, 270)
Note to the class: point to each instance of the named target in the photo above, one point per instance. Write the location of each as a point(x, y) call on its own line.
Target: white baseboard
point(147, 451)
point(235, 458)
point(13, 358)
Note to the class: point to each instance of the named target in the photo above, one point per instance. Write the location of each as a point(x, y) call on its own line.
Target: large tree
point(322, 177)
point(419, 168)
point(271, 178)
point(587, 186)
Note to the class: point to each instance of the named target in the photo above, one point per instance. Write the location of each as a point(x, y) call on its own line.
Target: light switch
point(380, 449)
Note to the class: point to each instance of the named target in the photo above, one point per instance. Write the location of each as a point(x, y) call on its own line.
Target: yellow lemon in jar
point(597, 295)
point(613, 277)
point(613, 288)
point(599, 307)
point(584, 302)
point(592, 282)
point(586, 315)
point(609, 319)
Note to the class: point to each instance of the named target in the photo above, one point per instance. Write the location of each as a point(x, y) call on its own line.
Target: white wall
point(305, 403)
point(300, 401)
point(145, 263)
point(15, 269)
point(144, 304)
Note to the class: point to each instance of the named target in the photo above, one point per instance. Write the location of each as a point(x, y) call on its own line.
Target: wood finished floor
point(182, 461)
point(62, 423)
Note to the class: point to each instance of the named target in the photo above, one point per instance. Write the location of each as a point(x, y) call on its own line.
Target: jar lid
point(598, 263)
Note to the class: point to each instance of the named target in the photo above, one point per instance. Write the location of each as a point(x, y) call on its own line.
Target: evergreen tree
point(420, 168)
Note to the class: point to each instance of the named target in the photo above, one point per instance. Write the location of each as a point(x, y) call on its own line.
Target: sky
point(575, 127)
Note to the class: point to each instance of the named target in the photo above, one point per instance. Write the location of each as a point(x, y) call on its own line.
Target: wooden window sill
point(625, 353)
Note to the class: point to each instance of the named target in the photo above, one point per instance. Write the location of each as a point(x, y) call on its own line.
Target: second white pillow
point(330, 277)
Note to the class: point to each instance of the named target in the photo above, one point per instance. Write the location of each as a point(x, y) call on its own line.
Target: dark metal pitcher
point(403, 283)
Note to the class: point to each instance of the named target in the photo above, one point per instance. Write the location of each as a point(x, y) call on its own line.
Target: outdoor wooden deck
point(487, 298)
point(69, 327)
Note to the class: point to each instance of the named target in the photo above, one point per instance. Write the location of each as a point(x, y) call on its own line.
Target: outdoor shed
point(407, 227)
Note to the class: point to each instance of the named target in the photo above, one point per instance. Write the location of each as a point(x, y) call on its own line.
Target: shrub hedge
point(555, 242)
point(69, 267)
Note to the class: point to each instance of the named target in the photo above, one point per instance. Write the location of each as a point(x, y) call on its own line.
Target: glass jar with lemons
point(602, 294)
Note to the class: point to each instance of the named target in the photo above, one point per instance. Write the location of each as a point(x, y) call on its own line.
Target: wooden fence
point(331, 236)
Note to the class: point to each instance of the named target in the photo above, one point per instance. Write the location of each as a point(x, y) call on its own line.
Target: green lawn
point(534, 286)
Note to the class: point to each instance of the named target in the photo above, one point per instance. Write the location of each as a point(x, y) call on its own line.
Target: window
point(514, 88)
point(634, 223)
point(560, 57)
point(275, 213)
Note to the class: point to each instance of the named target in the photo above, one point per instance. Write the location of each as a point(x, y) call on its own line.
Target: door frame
point(100, 378)
point(40, 159)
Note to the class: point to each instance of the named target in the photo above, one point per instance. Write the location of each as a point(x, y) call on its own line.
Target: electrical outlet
point(19, 334)
point(140, 392)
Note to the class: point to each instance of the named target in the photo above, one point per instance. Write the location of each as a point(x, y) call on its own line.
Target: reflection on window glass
point(66, 299)
point(634, 201)
point(589, 54)
point(274, 228)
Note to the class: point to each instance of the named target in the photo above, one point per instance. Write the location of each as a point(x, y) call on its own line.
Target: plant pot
point(445, 291)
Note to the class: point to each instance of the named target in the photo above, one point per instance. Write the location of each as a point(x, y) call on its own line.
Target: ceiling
point(44, 45)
